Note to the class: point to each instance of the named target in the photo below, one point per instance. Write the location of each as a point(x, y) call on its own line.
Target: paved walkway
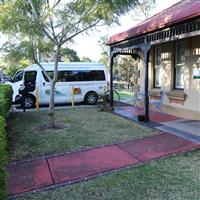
point(188, 129)
point(53, 171)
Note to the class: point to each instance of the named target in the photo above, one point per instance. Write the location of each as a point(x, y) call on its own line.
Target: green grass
point(87, 127)
point(123, 95)
point(175, 178)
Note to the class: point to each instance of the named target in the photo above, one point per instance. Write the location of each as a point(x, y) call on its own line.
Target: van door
point(45, 88)
point(66, 80)
point(30, 80)
point(61, 88)
point(17, 82)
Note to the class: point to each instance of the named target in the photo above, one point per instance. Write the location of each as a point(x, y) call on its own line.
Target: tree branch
point(143, 11)
point(34, 52)
point(87, 13)
point(51, 22)
point(81, 31)
point(43, 26)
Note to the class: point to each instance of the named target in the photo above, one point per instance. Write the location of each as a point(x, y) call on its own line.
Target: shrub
point(3, 158)
point(5, 99)
point(5, 104)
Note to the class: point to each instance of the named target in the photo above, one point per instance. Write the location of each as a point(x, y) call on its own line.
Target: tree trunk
point(51, 104)
point(52, 89)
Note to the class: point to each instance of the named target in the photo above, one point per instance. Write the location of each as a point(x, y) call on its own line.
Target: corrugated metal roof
point(180, 12)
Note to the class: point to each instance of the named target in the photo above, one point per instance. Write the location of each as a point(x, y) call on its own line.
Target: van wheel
point(91, 98)
point(29, 101)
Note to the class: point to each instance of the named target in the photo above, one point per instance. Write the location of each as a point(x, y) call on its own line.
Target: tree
point(125, 70)
point(56, 23)
point(143, 9)
point(85, 59)
point(105, 51)
point(16, 56)
point(69, 55)
point(124, 66)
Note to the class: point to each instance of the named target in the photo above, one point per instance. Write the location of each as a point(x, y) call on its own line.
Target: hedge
point(5, 99)
point(5, 104)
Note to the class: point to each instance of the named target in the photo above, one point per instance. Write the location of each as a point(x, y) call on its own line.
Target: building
point(168, 45)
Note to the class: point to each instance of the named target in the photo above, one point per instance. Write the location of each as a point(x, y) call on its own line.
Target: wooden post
point(146, 97)
point(37, 100)
point(73, 98)
point(111, 82)
point(145, 117)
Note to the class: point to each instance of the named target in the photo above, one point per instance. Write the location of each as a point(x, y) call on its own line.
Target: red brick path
point(40, 173)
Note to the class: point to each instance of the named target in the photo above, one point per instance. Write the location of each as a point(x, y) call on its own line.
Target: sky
point(88, 45)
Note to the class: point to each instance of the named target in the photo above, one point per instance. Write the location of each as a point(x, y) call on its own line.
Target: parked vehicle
point(88, 80)
point(3, 77)
point(16, 81)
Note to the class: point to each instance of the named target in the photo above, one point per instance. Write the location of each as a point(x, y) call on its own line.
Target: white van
point(88, 80)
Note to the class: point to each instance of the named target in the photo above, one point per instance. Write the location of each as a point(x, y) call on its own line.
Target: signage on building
point(196, 73)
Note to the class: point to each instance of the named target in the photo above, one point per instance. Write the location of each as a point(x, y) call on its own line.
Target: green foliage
point(143, 10)
point(105, 51)
point(69, 55)
point(57, 23)
point(16, 56)
point(19, 56)
point(5, 104)
point(5, 99)
point(124, 70)
point(85, 59)
point(3, 158)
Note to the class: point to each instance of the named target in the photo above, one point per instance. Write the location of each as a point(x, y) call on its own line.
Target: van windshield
point(75, 75)
point(18, 76)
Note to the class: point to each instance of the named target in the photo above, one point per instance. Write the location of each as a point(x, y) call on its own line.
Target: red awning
point(180, 12)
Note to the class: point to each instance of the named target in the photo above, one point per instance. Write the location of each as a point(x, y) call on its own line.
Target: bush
point(5, 104)
point(3, 158)
point(5, 99)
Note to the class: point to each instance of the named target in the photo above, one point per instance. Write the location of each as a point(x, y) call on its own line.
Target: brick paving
point(41, 173)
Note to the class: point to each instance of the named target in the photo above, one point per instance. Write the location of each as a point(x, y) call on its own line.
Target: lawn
point(175, 178)
point(124, 95)
point(86, 127)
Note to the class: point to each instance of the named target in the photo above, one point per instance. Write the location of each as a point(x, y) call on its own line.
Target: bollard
point(37, 100)
point(73, 98)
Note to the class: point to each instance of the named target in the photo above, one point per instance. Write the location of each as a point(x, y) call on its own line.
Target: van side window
point(50, 74)
point(30, 77)
point(69, 76)
point(93, 75)
point(18, 76)
point(75, 76)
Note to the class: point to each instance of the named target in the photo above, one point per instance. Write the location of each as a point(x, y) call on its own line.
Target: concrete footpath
point(53, 171)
